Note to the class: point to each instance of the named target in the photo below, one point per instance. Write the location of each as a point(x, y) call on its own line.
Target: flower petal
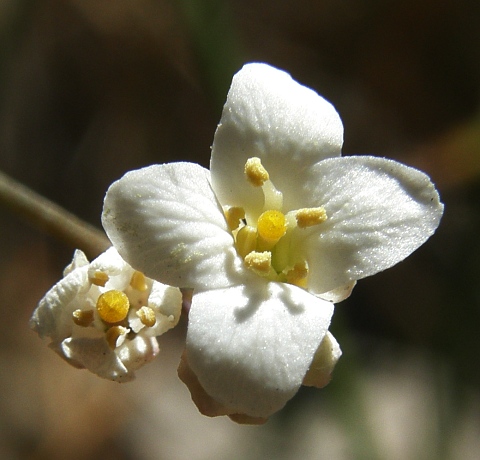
point(204, 402)
point(379, 211)
point(166, 302)
point(338, 294)
point(326, 357)
point(53, 315)
point(250, 346)
point(79, 260)
point(165, 221)
point(270, 116)
point(67, 315)
point(96, 356)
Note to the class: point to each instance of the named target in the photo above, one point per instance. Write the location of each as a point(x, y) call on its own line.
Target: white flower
point(105, 316)
point(279, 226)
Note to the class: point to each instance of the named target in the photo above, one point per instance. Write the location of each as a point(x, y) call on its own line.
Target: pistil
point(113, 306)
point(271, 226)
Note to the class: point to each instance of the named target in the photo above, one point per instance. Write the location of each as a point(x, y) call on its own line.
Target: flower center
point(114, 309)
point(267, 243)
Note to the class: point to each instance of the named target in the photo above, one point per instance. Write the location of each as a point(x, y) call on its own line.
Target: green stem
point(51, 218)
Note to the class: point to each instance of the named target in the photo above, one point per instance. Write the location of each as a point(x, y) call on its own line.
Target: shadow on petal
point(255, 298)
point(258, 294)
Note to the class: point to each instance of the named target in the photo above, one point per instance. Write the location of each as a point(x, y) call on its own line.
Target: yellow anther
point(298, 274)
point(99, 278)
point(147, 316)
point(233, 215)
point(255, 172)
point(113, 306)
point(113, 334)
point(271, 226)
point(307, 217)
point(83, 317)
point(139, 281)
point(259, 262)
point(246, 240)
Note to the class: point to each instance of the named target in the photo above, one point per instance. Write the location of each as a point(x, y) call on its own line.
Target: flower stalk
point(50, 217)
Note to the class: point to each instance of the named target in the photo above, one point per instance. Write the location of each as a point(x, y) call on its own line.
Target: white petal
point(96, 356)
point(110, 262)
point(326, 357)
point(165, 221)
point(137, 352)
point(379, 211)
point(338, 294)
point(53, 315)
point(270, 116)
point(250, 346)
point(79, 260)
point(166, 302)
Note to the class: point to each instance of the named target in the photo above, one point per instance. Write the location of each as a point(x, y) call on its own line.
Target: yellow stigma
point(147, 316)
point(113, 306)
point(259, 262)
point(256, 174)
point(307, 217)
point(139, 281)
point(99, 278)
point(271, 226)
point(233, 215)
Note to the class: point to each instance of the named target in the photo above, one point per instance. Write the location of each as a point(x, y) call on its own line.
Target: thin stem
point(51, 218)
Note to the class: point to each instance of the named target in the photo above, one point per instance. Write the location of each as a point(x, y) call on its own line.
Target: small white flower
point(105, 316)
point(279, 227)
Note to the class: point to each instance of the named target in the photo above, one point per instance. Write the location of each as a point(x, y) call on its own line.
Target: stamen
point(246, 240)
point(139, 281)
point(307, 217)
point(298, 274)
point(256, 174)
point(147, 316)
point(259, 262)
point(114, 334)
point(233, 215)
point(83, 317)
point(273, 199)
point(99, 278)
point(113, 306)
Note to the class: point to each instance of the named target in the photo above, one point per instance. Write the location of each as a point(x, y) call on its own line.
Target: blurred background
point(91, 89)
